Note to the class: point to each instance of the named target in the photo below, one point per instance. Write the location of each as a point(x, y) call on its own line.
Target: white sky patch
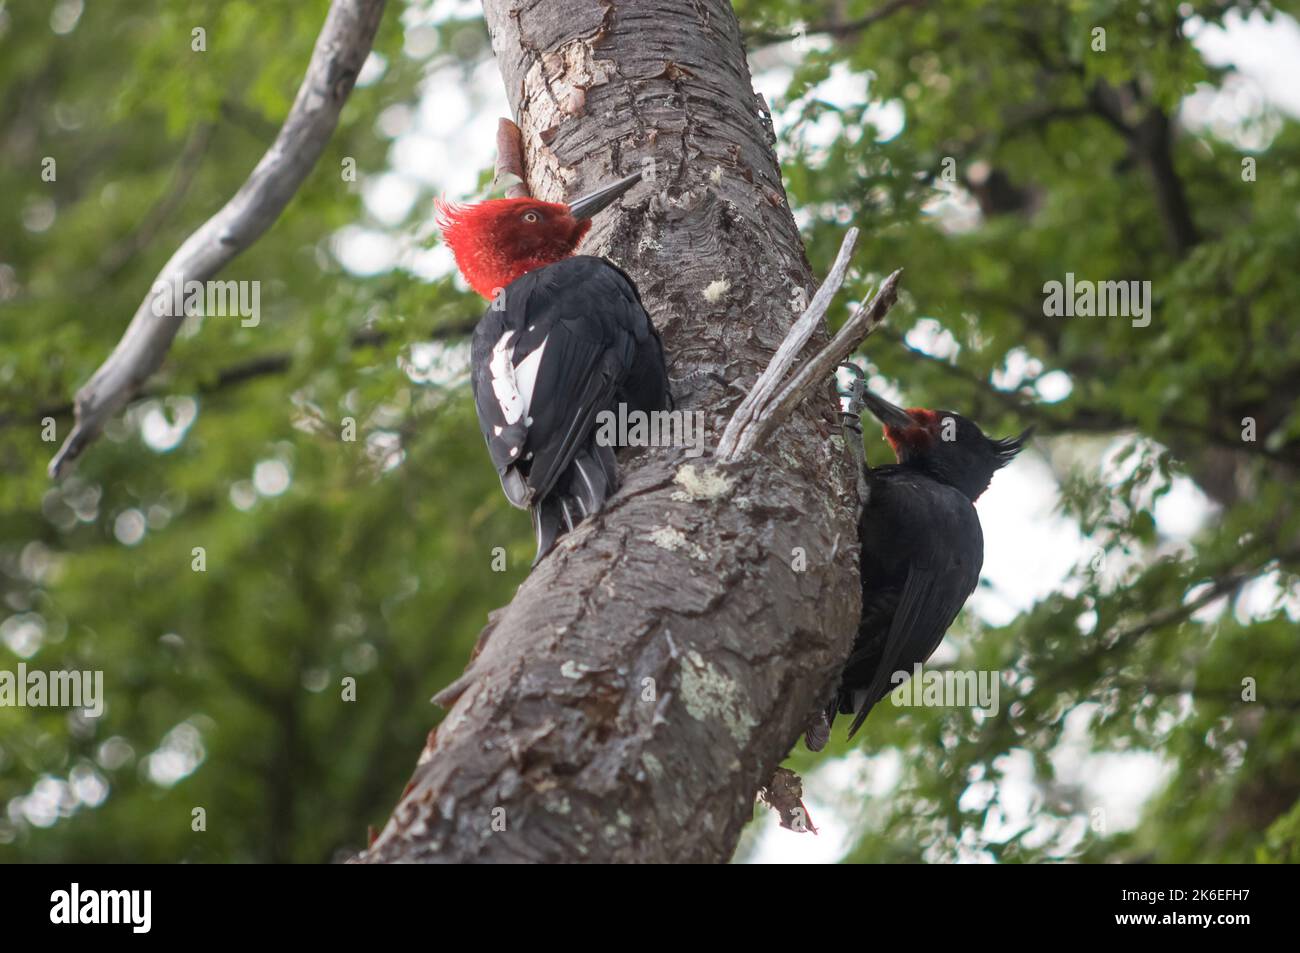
point(1244, 110)
point(1238, 112)
point(441, 116)
point(843, 89)
point(1018, 367)
point(1261, 598)
point(50, 799)
point(23, 634)
point(163, 425)
point(436, 363)
point(88, 785)
point(384, 448)
point(1120, 460)
point(1183, 511)
point(373, 69)
point(1118, 782)
point(1030, 548)
point(431, 263)
point(180, 753)
point(114, 753)
point(772, 74)
point(65, 16)
point(1263, 52)
point(129, 527)
point(1053, 387)
point(389, 197)
point(424, 12)
point(422, 157)
point(39, 214)
point(954, 209)
point(364, 251)
point(242, 495)
point(930, 337)
point(1017, 795)
point(394, 120)
point(271, 477)
point(776, 845)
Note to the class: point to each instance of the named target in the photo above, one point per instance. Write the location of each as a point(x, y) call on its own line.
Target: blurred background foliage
point(990, 149)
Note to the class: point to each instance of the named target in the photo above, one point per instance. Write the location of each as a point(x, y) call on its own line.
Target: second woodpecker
point(921, 547)
point(565, 338)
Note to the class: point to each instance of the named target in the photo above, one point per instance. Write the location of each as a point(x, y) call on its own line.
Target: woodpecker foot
point(851, 421)
point(854, 393)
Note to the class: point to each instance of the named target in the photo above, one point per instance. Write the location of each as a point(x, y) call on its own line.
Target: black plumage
point(922, 550)
point(598, 348)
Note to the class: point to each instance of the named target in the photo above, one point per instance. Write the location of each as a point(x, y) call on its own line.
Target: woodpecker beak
point(587, 206)
point(887, 413)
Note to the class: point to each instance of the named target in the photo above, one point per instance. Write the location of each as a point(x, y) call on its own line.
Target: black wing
point(581, 323)
point(922, 544)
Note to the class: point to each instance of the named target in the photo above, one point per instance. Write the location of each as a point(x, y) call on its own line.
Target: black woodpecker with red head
point(565, 338)
point(921, 546)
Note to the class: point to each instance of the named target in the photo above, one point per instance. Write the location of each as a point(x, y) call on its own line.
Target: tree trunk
point(653, 671)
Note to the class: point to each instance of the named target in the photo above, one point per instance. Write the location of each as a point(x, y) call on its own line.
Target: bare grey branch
point(340, 50)
point(769, 382)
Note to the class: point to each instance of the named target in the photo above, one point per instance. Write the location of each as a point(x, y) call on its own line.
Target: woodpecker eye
point(532, 218)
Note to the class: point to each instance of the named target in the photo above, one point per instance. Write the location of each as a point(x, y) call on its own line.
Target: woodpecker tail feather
point(546, 526)
point(590, 480)
point(862, 705)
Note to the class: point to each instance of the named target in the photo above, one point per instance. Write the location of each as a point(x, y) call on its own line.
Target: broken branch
point(784, 794)
point(856, 329)
point(765, 388)
point(768, 404)
point(510, 161)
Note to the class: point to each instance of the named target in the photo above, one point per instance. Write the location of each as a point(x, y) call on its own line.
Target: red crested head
point(944, 444)
point(915, 437)
point(497, 241)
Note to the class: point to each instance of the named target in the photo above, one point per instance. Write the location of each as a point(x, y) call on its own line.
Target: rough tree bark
point(653, 671)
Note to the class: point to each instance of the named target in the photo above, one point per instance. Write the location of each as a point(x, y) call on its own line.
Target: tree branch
point(765, 388)
point(774, 412)
point(240, 372)
point(510, 161)
point(341, 49)
point(839, 29)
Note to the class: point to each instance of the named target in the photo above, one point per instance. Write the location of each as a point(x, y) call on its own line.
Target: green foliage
point(225, 688)
point(1017, 89)
point(359, 569)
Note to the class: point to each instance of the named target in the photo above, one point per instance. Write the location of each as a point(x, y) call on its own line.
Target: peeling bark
point(653, 671)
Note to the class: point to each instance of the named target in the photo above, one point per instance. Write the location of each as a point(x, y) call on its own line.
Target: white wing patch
point(513, 386)
point(503, 379)
point(526, 377)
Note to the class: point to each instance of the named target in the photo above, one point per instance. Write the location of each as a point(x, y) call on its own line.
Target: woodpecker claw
point(851, 421)
point(855, 394)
